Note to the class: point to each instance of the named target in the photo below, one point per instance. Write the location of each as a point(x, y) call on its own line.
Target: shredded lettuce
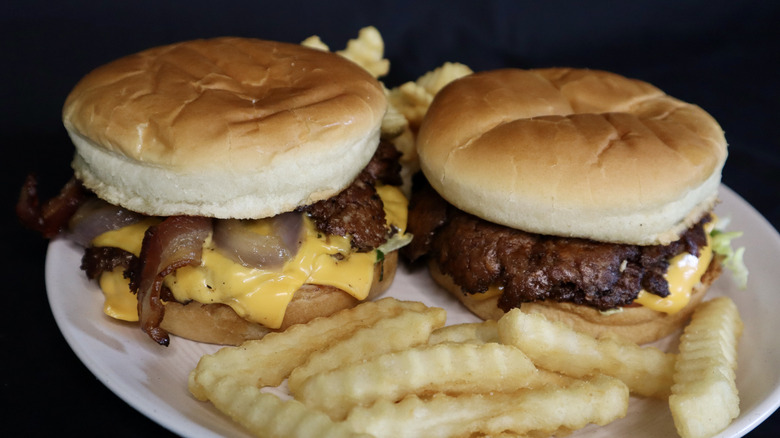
point(396, 241)
point(733, 260)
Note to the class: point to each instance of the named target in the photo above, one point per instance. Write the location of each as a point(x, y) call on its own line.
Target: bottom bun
point(219, 324)
point(636, 323)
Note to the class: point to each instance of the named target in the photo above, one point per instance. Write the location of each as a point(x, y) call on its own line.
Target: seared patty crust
point(478, 254)
point(358, 210)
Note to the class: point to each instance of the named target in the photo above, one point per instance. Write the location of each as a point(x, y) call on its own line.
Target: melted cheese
point(259, 295)
point(262, 295)
point(685, 272)
point(493, 291)
point(119, 302)
point(128, 238)
point(396, 206)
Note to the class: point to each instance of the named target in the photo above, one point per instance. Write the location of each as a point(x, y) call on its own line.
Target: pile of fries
point(391, 368)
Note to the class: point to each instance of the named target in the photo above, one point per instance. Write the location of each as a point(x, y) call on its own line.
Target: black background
point(722, 55)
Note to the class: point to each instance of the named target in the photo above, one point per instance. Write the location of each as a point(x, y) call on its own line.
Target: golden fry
point(452, 368)
point(533, 411)
point(474, 332)
point(270, 360)
point(266, 415)
point(704, 396)
point(412, 99)
point(368, 50)
point(399, 332)
point(556, 347)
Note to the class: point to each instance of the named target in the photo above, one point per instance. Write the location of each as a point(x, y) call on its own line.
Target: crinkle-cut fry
point(404, 142)
point(438, 78)
point(314, 42)
point(405, 330)
point(266, 415)
point(367, 50)
point(470, 332)
point(412, 99)
point(556, 347)
point(270, 360)
point(704, 397)
point(393, 123)
point(454, 368)
point(544, 378)
point(532, 411)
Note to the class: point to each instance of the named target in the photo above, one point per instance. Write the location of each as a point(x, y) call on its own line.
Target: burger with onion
point(580, 194)
point(228, 187)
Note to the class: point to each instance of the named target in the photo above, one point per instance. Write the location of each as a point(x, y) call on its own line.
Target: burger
point(580, 194)
point(225, 188)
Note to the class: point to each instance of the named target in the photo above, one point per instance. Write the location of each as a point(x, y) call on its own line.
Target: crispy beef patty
point(478, 254)
point(358, 210)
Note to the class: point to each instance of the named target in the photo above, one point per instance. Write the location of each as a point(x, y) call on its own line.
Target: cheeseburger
point(580, 194)
point(228, 187)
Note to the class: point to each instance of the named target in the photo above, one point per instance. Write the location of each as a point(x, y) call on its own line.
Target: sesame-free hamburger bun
point(224, 127)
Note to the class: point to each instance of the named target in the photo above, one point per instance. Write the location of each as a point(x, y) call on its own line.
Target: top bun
point(576, 153)
point(225, 127)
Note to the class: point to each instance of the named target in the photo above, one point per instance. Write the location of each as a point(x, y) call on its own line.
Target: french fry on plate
point(704, 396)
point(556, 347)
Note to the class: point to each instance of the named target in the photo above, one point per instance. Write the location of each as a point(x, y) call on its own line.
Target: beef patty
point(478, 254)
point(358, 210)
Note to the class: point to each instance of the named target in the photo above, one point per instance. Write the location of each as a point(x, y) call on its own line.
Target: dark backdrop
point(721, 55)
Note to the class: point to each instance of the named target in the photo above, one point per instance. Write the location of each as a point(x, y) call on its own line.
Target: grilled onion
point(95, 217)
point(260, 243)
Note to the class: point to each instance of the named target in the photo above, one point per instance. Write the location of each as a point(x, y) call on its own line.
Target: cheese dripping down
point(258, 295)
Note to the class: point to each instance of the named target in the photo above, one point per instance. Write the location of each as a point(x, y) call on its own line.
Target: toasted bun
point(637, 323)
point(225, 127)
point(219, 324)
point(576, 153)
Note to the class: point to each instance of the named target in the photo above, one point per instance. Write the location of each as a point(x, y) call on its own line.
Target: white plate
point(153, 379)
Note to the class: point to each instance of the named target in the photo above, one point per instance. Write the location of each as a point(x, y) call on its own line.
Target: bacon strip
point(52, 217)
point(174, 243)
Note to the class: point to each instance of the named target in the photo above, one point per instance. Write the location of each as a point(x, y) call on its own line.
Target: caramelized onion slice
point(95, 217)
point(261, 243)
